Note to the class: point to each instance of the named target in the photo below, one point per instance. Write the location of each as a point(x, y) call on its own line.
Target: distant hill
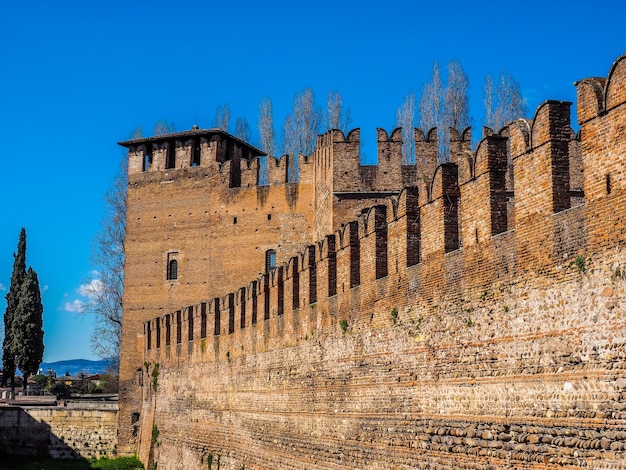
point(76, 366)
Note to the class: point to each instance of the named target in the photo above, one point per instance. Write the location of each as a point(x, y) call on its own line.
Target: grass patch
point(35, 463)
point(120, 463)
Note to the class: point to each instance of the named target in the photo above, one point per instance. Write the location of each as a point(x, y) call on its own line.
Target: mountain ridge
point(76, 366)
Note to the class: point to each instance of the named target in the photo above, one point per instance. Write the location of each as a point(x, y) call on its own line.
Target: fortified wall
point(473, 320)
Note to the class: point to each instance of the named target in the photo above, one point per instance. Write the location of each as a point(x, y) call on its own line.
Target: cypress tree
point(27, 327)
point(13, 297)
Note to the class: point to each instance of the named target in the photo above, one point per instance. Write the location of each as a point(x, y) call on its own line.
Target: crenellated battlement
point(212, 153)
point(462, 317)
point(461, 208)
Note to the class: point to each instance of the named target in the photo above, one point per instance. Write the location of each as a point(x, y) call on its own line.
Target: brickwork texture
point(463, 315)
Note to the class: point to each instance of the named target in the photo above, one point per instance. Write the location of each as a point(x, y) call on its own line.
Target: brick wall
point(492, 348)
point(218, 235)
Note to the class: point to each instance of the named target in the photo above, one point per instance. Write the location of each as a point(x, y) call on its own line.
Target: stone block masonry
point(475, 319)
point(87, 430)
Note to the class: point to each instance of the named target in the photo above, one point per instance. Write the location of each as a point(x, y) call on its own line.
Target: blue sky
point(78, 76)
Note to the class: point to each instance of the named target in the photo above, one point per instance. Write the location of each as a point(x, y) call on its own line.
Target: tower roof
point(208, 133)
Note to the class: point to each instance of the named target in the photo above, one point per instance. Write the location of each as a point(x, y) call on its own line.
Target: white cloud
point(77, 306)
point(91, 289)
point(87, 293)
point(44, 288)
point(3, 287)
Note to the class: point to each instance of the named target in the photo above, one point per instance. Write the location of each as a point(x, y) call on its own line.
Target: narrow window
point(608, 184)
point(147, 162)
point(168, 329)
point(158, 333)
point(203, 320)
point(243, 308)
point(254, 302)
point(195, 157)
point(231, 313)
point(172, 266)
point(172, 273)
point(266, 297)
point(269, 216)
point(216, 311)
point(179, 328)
point(312, 275)
point(235, 167)
point(355, 255)
point(412, 228)
point(134, 420)
point(332, 266)
point(190, 323)
point(380, 227)
point(149, 334)
point(296, 284)
point(235, 220)
point(281, 291)
point(170, 158)
point(270, 260)
point(451, 222)
point(147, 157)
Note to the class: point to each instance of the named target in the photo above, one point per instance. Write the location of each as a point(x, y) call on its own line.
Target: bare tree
point(289, 139)
point(445, 106)
point(265, 123)
point(301, 128)
point(106, 289)
point(338, 117)
point(222, 117)
point(307, 117)
point(456, 104)
point(242, 129)
point(503, 101)
point(163, 127)
point(136, 133)
point(405, 118)
point(432, 106)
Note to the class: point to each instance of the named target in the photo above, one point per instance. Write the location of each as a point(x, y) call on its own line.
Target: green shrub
point(155, 377)
point(394, 315)
point(580, 262)
point(155, 434)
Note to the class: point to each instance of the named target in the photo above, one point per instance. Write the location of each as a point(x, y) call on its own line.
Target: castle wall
point(426, 333)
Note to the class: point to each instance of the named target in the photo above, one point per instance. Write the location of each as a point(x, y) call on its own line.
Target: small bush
point(580, 262)
point(344, 325)
point(155, 434)
point(155, 377)
point(394, 315)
